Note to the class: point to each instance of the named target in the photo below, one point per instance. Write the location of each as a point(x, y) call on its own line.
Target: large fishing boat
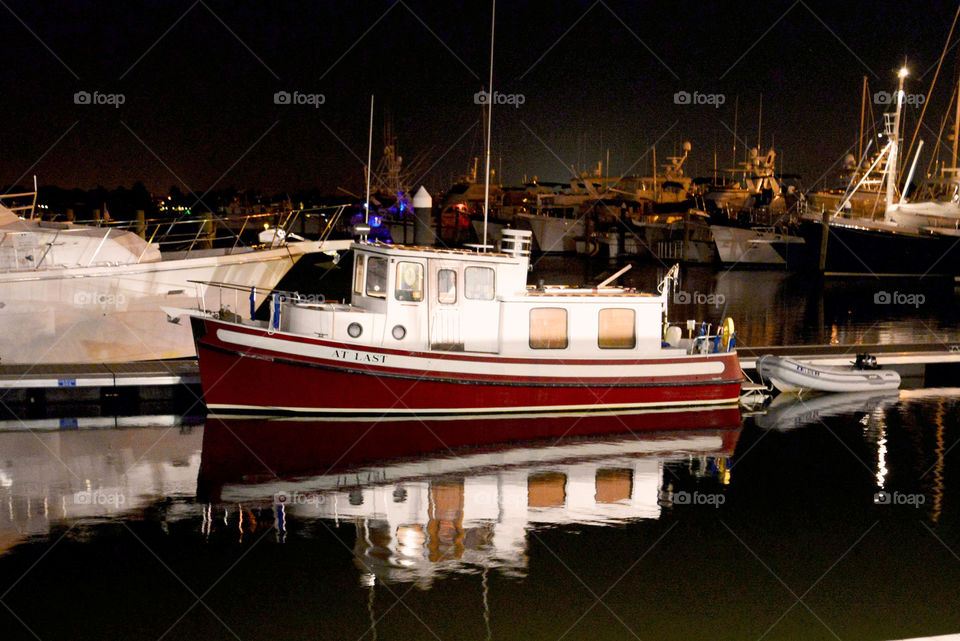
point(435, 332)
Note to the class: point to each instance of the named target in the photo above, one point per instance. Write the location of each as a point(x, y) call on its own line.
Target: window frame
point(466, 279)
point(441, 293)
point(633, 313)
point(566, 328)
point(408, 295)
point(386, 277)
point(359, 274)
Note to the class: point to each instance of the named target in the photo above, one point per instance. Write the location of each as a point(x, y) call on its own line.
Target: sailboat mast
point(486, 178)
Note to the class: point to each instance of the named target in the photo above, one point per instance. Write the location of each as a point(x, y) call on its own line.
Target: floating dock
point(144, 387)
point(888, 355)
point(99, 375)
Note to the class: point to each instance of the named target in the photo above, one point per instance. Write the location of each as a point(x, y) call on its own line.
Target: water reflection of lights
point(875, 428)
point(882, 459)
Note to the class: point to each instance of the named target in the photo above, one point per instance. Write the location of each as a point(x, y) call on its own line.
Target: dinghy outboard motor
point(866, 361)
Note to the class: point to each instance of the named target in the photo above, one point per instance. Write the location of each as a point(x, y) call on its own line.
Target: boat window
point(478, 283)
point(548, 328)
point(617, 329)
point(377, 277)
point(446, 286)
point(358, 274)
point(409, 282)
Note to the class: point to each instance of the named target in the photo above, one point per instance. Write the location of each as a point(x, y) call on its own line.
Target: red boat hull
point(247, 370)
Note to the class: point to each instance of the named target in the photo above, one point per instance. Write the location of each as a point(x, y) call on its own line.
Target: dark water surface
point(822, 518)
point(833, 517)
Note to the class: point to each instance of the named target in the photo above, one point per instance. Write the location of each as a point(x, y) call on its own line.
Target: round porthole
point(354, 330)
point(399, 331)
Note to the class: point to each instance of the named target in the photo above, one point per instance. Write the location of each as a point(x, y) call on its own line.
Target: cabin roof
point(592, 293)
point(468, 254)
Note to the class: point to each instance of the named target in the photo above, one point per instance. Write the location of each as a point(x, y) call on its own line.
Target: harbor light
point(903, 72)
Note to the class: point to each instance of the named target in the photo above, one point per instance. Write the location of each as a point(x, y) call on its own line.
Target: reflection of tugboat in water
point(425, 506)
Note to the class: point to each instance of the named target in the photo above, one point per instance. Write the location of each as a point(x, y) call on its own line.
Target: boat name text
point(359, 357)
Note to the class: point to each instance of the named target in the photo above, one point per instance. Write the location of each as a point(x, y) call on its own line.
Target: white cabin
point(425, 298)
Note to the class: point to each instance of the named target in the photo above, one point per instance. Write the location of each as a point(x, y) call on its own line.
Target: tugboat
point(433, 331)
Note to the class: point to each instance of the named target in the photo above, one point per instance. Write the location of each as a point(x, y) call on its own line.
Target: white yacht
point(74, 293)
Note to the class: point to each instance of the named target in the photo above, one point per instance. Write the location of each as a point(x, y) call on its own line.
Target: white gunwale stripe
point(365, 355)
point(470, 410)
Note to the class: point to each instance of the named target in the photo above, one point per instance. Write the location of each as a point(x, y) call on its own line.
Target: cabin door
point(444, 304)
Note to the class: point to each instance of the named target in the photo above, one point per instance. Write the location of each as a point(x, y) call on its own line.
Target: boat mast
point(486, 178)
point(760, 125)
point(895, 142)
point(654, 148)
point(736, 113)
point(956, 128)
point(863, 108)
point(366, 206)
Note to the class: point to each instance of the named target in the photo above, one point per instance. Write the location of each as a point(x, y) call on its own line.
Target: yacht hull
point(113, 313)
point(553, 234)
point(748, 247)
point(854, 249)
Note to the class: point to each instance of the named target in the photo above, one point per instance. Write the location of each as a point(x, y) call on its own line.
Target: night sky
point(198, 81)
